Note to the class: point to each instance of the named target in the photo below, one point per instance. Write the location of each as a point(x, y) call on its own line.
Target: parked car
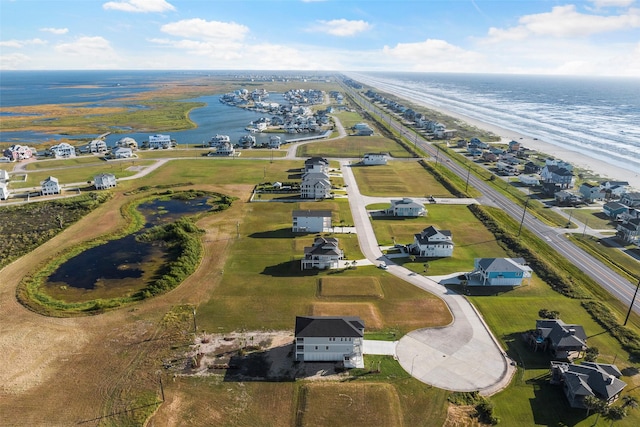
point(383, 266)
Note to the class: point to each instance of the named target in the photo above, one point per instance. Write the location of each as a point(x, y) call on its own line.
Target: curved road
point(463, 356)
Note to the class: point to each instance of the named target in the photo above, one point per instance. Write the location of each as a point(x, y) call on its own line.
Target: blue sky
point(596, 37)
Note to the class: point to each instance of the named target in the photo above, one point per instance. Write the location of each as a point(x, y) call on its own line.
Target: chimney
point(572, 331)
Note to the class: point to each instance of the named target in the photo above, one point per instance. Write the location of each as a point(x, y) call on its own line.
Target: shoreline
point(596, 166)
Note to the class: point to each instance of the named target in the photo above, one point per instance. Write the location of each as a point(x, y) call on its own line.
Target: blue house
point(613, 209)
point(500, 271)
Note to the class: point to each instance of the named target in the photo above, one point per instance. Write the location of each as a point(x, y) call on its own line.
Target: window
point(316, 347)
point(327, 348)
point(300, 347)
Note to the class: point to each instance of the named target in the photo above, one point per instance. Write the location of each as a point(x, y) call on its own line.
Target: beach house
point(406, 207)
point(308, 221)
point(432, 243)
point(323, 254)
point(330, 339)
point(104, 181)
point(598, 380)
point(50, 186)
point(4, 191)
point(18, 152)
point(315, 186)
point(159, 141)
point(565, 341)
point(500, 271)
point(374, 159)
point(121, 152)
point(316, 165)
point(63, 150)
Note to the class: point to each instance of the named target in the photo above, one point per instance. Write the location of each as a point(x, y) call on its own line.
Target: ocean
point(598, 117)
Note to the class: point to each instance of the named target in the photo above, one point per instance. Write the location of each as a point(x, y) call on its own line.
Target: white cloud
point(565, 21)
point(141, 6)
point(89, 48)
point(13, 61)
point(613, 3)
point(435, 55)
point(58, 31)
point(341, 27)
point(21, 43)
point(206, 30)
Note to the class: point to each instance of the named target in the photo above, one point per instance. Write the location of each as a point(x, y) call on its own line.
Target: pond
point(123, 266)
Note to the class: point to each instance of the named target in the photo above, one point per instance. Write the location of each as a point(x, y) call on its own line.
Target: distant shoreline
point(577, 159)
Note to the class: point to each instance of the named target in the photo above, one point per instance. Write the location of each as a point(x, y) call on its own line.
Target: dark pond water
point(123, 265)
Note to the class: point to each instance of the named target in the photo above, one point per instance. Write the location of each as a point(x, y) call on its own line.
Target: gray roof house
point(630, 199)
point(406, 207)
point(432, 243)
point(325, 253)
point(587, 379)
point(565, 341)
point(330, 339)
point(500, 271)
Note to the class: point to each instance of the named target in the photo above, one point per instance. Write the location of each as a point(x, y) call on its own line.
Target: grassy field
point(353, 146)
point(75, 175)
point(400, 179)
point(594, 218)
point(471, 238)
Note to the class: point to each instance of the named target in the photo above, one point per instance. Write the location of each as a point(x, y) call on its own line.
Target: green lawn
point(398, 178)
point(594, 218)
point(60, 163)
point(353, 146)
point(74, 175)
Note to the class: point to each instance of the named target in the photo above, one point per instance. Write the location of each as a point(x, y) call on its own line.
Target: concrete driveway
point(463, 356)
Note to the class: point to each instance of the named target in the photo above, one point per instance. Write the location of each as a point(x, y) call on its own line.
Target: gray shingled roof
point(329, 326)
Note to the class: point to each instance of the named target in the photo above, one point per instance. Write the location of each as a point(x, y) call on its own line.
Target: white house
point(308, 221)
point(127, 142)
point(159, 141)
point(330, 339)
point(529, 179)
point(432, 243)
point(218, 140)
point(121, 152)
point(97, 146)
point(50, 186)
point(501, 271)
point(225, 149)
point(316, 165)
point(4, 191)
point(315, 186)
point(275, 141)
point(63, 150)
point(104, 181)
point(406, 207)
point(324, 253)
point(375, 159)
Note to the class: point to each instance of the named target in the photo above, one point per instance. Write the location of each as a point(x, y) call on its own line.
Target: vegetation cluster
point(25, 227)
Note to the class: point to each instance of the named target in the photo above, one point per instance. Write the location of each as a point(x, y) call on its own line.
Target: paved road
point(463, 356)
point(608, 279)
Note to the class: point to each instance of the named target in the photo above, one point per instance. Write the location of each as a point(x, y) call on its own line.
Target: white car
point(383, 266)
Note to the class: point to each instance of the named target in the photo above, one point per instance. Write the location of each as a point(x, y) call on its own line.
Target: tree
point(592, 354)
point(629, 402)
point(594, 404)
point(616, 413)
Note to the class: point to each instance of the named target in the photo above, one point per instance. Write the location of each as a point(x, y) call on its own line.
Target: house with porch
point(330, 339)
point(316, 165)
point(315, 186)
point(432, 243)
point(96, 146)
point(629, 231)
point(127, 142)
point(374, 159)
point(308, 221)
point(591, 192)
point(159, 141)
point(565, 341)
point(557, 175)
point(4, 191)
point(587, 379)
point(63, 150)
point(615, 189)
point(104, 181)
point(501, 271)
point(50, 186)
point(614, 209)
point(121, 152)
point(323, 254)
point(406, 207)
point(18, 152)
point(225, 149)
point(631, 199)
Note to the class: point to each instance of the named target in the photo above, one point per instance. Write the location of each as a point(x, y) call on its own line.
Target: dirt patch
point(462, 416)
point(367, 312)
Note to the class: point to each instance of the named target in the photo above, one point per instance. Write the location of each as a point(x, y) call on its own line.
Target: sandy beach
point(577, 159)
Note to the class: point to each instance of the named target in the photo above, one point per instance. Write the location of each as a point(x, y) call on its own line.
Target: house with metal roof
point(501, 271)
point(406, 207)
point(330, 339)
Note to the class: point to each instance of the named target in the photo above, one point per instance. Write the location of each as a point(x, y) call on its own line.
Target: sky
point(588, 37)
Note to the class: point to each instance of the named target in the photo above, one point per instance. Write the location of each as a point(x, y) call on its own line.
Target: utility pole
point(195, 326)
point(631, 305)
point(524, 212)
